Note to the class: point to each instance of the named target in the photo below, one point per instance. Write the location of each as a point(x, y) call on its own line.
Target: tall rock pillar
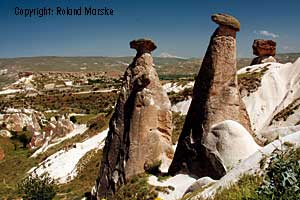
point(141, 126)
point(215, 98)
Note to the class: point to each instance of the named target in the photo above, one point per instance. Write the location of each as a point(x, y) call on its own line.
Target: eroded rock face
point(228, 142)
point(2, 154)
point(18, 121)
point(215, 98)
point(264, 47)
point(54, 129)
point(141, 126)
point(263, 59)
point(265, 50)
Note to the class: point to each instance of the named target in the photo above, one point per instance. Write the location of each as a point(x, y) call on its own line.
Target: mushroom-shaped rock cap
point(143, 45)
point(226, 20)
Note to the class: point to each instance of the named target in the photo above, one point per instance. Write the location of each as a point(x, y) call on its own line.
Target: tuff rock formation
point(141, 126)
point(19, 120)
point(2, 154)
point(265, 50)
point(34, 122)
point(54, 129)
point(215, 98)
point(228, 142)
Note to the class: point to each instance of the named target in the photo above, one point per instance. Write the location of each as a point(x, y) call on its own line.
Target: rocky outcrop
point(34, 122)
point(265, 50)
point(279, 115)
point(140, 129)
point(215, 98)
point(53, 130)
point(19, 119)
point(227, 143)
point(263, 59)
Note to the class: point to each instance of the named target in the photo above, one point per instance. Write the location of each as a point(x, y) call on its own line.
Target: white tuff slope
point(280, 86)
point(78, 130)
point(180, 183)
point(230, 142)
point(182, 107)
point(175, 87)
point(62, 166)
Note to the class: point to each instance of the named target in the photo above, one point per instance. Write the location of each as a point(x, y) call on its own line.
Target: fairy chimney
point(215, 99)
point(141, 126)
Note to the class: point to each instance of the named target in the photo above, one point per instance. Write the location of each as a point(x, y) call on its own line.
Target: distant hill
point(166, 67)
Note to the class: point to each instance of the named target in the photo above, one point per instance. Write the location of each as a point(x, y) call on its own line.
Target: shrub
point(73, 119)
point(178, 122)
point(153, 168)
point(282, 180)
point(137, 189)
point(24, 139)
point(36, 187)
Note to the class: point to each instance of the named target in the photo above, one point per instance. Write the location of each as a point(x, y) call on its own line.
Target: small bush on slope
point(178, 122)
point(17, 162)
point(137, 188)
point(281, 181)
point(36, 187)
point(245, 188)
point(180, 96)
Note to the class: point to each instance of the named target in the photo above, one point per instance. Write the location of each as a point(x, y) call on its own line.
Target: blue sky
point(179, 27)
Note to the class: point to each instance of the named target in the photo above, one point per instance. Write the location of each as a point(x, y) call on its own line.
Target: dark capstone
point(226, 20)
point(143, 45)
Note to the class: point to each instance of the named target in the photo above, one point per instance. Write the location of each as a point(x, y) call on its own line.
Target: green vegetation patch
point(36, 187)
point(281, 180)
point(178, 122)
point(251, 81)
point(180, 96)
point(137, 188)
point(285, 113)
point(245, 188)
point(14, 167)
point(87, 103)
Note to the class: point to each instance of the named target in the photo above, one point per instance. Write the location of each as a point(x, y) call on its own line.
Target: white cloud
point(266, 33)
point(288, 48)
point(285, 47)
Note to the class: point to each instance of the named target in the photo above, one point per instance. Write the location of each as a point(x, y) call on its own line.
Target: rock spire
point(215, 99)
point(140, 129)
point(265, 50)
